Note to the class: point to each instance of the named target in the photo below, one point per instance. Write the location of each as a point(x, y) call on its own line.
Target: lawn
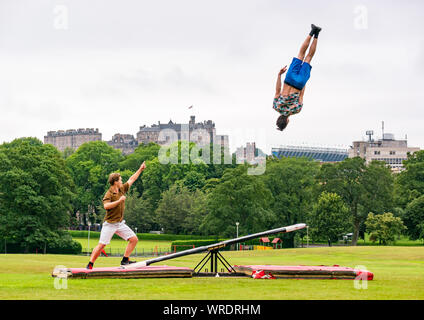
point(400, 241)
point(398, 274)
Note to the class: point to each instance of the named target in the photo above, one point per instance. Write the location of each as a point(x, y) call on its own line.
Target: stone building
point(222, 140)
point(124, 142)
point(72, 138)
point(249, 153)
point(166, 133)
point(246, 153)
point(387, 149)
point(163, 134)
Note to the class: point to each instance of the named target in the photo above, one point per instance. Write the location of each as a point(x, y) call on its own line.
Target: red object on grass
point(260, 274)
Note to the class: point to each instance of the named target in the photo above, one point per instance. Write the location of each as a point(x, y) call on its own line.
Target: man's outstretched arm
point(135, 176)
point(278, 87)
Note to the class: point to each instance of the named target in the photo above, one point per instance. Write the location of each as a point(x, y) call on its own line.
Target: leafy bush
point(64, 245)
point(58, 243)
point(384, 227)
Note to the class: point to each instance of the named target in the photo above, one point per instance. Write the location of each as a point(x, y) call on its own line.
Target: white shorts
point(120, 228)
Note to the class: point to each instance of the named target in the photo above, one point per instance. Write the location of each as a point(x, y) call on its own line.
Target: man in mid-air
point(289, 101)
point(114, 203)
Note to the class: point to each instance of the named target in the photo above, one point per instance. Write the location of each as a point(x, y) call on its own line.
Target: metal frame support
point(214, 256)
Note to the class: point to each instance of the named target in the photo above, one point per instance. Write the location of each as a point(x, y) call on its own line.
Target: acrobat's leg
point(312, 50)
point(304, 47)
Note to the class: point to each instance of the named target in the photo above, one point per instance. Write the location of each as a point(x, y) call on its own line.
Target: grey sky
point(118, 65)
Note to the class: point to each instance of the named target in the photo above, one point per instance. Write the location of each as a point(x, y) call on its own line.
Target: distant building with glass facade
point(316, 153)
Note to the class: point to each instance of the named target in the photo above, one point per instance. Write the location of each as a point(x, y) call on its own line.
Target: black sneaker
point(315, 30)
point(89, 266)
point(124, 263)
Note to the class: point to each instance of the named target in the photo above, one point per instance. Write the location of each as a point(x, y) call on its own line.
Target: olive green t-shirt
point(115, 214)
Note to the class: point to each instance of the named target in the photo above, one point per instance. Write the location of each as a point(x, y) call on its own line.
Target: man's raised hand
point(282, 71)
point(143, 165)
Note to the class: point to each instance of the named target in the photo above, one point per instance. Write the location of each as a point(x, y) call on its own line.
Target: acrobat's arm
point(278, 87)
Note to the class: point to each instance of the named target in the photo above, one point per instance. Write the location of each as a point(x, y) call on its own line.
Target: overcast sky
point(118, 65)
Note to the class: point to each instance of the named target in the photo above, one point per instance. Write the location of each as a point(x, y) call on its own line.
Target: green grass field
point(400, 241)
point(398, 274)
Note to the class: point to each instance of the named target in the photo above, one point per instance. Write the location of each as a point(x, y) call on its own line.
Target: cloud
point(123, 64)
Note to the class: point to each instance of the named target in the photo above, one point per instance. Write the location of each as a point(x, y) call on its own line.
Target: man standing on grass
point(114, 203)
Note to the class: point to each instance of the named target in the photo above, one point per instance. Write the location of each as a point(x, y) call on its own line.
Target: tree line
point(44, 192)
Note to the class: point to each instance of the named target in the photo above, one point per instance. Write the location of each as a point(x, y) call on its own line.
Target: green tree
point(196, 213)
point(141, 214)
point(144, 152)
point(210, 184)
point(35, 193)
point(181, 211)
point(241, 198)
point(291, 182)
point(329, 218)
point(131, 163)
point(154, 182)
point(193, 181)
point(161, 174)
point(378, 182)
point(217, 165)
point(414, 218)
point(410, 182)
point(363, 188)
point(384, 227)
point(67, 152)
